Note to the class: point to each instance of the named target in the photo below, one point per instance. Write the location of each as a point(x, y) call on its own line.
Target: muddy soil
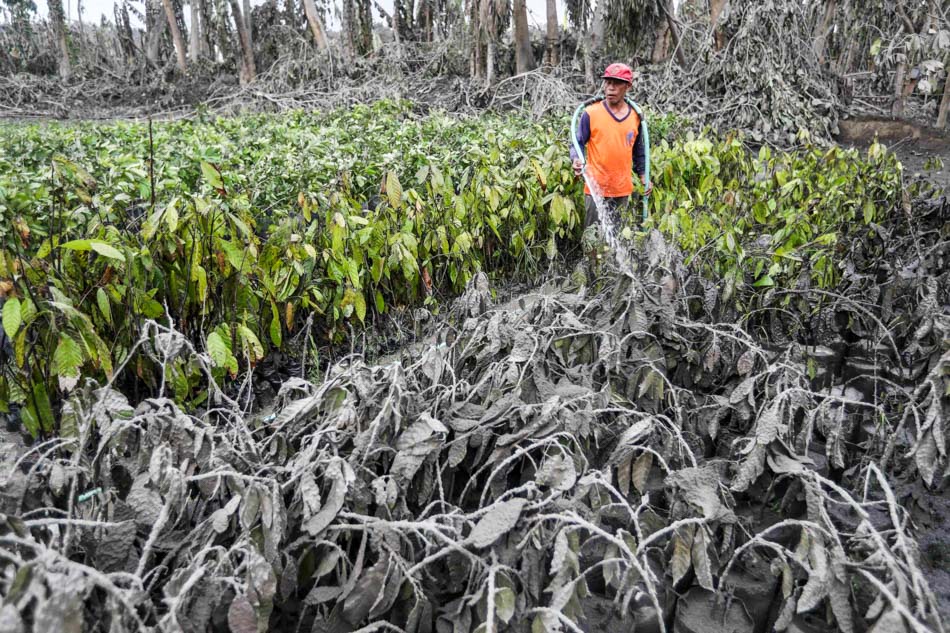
point(915, 145)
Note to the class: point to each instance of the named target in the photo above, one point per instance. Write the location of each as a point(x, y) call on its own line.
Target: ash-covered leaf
point(681, 560)
point(319, 595)
point(340, 473)
point(505, 604)
point(745, 363)
point(700, 487)
point(10, 620)
point(145, 501)
point(557, 472)
point(640, 471)
point(241, 616)
point(501, 518)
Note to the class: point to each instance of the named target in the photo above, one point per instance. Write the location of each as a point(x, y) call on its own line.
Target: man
point(609, 134)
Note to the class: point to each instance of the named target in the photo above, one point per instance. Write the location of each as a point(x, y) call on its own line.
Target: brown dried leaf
point(681, 560)
point(641, 471)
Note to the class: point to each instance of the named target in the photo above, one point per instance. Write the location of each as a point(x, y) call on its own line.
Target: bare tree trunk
point(176, 36)
point(823, 28)
point(155, 27)
point(316, 25)
point(248, 72)
point(58, 19)
point(661, 42)
point(249, 23)
point(475, 33)
point(82, 32)
point(490, 62)
point(206, 35)
point(944, 109)
point(222, 31)
point(524, 58)
point(124, 31)
point(716, 8)
point(551, 35)
point(674, 32)
point(348, 27)
point(194, 35)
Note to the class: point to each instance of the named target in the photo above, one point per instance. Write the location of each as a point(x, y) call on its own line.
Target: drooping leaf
point(12, 317)
point(499, 519)
point(67, 360)
point(218, 349)
point(505, 604)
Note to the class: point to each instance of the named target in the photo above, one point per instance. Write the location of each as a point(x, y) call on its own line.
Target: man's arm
point(583, 135)
point(639, 153)
point(640, 159)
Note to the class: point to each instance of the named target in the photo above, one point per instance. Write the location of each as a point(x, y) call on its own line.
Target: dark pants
point(614, 208)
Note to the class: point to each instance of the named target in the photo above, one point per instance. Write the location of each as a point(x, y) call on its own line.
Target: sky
point(92, 10)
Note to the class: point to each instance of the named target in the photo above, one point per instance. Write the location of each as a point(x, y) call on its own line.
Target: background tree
point(524, 57)
point(551, 34)
point(58, 22)
point(177, 40)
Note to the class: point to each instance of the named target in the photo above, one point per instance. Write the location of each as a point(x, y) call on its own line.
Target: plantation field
point(746, 432)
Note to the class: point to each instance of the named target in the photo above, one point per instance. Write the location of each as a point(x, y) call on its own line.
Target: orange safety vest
point(610, 150)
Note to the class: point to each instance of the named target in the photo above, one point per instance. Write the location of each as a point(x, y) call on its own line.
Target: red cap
point(619, 71)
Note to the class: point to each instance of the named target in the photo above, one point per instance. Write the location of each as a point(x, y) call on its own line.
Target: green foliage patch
point(236, 230)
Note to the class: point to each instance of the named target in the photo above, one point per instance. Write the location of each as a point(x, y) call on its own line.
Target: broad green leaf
point(393, 190)
point(12, 317)
point(380, 302)
point(30, 420)
point(103, 248)
point(218, 350)
point(212, 176)
point(102, 299)
point(107, 250)
point(359, 302)
point(252, 344)
point(275, 329)
point(67, 359)
point(77, 245)
point(27, 311)
point(44, 409)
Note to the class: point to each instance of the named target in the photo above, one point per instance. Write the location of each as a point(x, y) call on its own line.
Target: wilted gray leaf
point(700, 557)
point(557, 472)
point(890, 622)
point(742, 390)
point(221, 518)
point(366, 592)
point(10, 620)
point(112, 551)
point(415, 444)
point(319, 595)
point(251, 506)
point(499, 519)
point(640, 471)
point(745, 363)
point(505, 604)
point(700, 487)
point(62, 612)
point(144, 501)
point(241, 616)
point(341, 474)
point(681, 561)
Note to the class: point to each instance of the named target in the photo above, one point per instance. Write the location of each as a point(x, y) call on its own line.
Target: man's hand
point(647, 186)
point(578, 166)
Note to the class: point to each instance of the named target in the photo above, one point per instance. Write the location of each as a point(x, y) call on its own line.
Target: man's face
point(615, 90)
